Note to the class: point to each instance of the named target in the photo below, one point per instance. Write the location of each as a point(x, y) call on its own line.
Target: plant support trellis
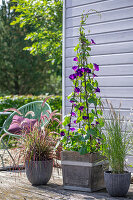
point(86, 112)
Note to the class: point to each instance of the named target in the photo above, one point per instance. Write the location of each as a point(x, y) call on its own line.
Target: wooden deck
point(6, 161)
point(15, 186)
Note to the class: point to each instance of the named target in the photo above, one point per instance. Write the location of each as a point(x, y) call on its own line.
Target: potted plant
point(117, 143)
point(81, 139)
point(37, 145)
point(39, 148)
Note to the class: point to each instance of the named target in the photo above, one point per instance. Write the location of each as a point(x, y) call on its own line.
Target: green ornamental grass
point(117, 140)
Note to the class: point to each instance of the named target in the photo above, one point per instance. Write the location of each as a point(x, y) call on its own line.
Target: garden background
point(30, 74)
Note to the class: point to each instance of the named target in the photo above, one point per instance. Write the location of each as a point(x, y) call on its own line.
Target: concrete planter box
point(83, 172)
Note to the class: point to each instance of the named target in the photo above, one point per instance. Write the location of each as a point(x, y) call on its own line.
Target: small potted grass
point(117, 144)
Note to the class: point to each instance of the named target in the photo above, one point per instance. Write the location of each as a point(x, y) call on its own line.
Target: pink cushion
point(20, 124)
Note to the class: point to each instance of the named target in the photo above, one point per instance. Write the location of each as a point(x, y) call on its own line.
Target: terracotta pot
point(117, 185)
point(39, 172)
point(83, 172)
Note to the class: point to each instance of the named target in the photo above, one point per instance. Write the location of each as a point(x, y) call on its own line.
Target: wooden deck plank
point(15, 186)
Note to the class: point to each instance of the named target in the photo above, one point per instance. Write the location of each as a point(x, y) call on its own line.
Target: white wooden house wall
point(113, 52)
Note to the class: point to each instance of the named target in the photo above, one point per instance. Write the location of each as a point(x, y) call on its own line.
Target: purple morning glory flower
point(82, 70)
point(85, 117)
point(74, 105)
point(97, 89)
point(87, 70)
point(73, 114)
point(72, 76)
point(75, 68)
point(77, 89)
point(81, 108)
point(75, 59)
point(96, 67)
point(72, 129)
point(62, 133)
point(92, 41)
point(79, 72)
point(72, 101)
point(97, 122)
point(75, 121)
point(94, 75)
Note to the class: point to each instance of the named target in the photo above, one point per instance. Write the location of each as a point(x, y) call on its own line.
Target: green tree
point(21, 72)
point(45, 20)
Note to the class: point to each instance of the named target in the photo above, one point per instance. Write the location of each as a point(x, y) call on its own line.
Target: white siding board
point(103, 129)
point(102, 27)
point(106, 16)
point(103, 49)
point(109, 92)
point(126, 58)
point(116, 70)
point(114, 81)
point(111, 37)
point(99, 6)
point(72, 3)
point(126, 104)
point(111, 70)
point(125, 113)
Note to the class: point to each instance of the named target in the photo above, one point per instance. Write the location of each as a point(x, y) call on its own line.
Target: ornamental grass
point(117, 140)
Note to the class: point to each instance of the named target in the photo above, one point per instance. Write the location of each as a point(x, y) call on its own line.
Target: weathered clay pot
point(39, 172)
point(83, 172)
point(117, 185)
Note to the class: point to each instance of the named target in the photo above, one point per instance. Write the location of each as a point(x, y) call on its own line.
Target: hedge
point(16, 101)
